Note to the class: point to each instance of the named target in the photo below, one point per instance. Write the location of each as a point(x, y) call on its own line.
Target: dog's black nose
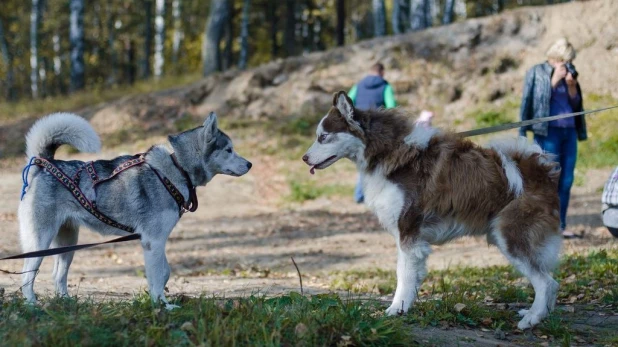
point(249, 165)
point(305, 158)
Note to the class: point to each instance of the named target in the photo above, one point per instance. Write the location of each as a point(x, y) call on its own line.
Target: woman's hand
point(571, 84)
point(560, 72)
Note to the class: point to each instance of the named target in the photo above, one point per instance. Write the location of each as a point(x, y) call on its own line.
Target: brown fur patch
point(455, 179)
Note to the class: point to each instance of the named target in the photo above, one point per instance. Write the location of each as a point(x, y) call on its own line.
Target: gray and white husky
point(50, 215)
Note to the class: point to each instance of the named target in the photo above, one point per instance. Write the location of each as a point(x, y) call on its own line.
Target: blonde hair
point(561, 50)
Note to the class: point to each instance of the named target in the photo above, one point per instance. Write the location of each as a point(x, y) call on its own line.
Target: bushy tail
point(50, 132)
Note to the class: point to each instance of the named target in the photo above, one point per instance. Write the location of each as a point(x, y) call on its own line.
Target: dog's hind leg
point(411, 271)
point(36, 231)
point(67, 236)
point(534, 251)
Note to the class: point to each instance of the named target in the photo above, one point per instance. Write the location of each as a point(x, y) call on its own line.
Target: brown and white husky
point(429, 187)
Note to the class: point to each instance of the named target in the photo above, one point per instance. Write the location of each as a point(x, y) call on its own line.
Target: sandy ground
point(241, 239)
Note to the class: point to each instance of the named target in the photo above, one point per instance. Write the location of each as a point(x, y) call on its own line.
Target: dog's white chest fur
point(385, 199)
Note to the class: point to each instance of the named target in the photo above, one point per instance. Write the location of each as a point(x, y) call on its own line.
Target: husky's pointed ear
point(210, 126)
point(344, 104)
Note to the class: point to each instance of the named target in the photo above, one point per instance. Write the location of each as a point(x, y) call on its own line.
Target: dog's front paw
point(394, 311)
point(170, 307)
point(523, 312)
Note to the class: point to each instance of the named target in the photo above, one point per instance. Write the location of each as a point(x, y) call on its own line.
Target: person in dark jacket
point(551, 89)
point(371, 92)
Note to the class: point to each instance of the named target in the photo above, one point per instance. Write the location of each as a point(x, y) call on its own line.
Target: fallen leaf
point(486, 321)
point(569, 309)
point(459, 307)
point(544, 337)
point(572, 299)
point(570, 279)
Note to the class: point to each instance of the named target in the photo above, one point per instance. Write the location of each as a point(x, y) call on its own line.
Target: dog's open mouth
point(322, 165)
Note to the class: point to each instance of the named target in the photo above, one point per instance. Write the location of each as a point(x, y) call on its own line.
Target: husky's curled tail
point(57, 129)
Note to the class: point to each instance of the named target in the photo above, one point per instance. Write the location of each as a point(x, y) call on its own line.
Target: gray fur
point(57, 129)
point(49, 214)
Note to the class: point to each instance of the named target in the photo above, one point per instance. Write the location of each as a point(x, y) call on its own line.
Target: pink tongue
point(312, 170)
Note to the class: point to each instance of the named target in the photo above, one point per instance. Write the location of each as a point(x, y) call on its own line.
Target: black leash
point(508, 126)
point(66, 249)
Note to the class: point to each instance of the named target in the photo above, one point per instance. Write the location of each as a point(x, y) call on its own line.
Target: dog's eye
point(229, 150)
point(322, 138)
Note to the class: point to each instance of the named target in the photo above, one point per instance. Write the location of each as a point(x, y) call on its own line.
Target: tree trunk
point(401, 16)
point(159, 58)
point(498, 6)
point(35, 21)
point(76, 35)
point(215, 27)
point(244, 36)
point(379, 18)
point(58, 64)
point(147, 38)
point(460, 9)
point(418, 16)
point(8, 60)
point(449, 7)
point(111, 42)
point(429, 6)
point(226, 62)
point(274, 28)
point(340, 31)
point(178, 33)
point(129, 58)
point(289, 41)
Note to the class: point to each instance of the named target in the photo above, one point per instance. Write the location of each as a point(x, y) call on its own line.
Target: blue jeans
point(562, 142)
point(359, 197)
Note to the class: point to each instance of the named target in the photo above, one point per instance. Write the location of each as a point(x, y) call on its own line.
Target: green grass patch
point(364, 281)
point(301, 191)
point(480, 297)
point(292, 319)
point(491, 118)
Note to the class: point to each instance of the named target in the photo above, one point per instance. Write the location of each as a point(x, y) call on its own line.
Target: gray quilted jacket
point(535, 101)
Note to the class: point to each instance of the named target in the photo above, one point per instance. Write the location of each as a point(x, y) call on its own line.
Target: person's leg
point(358, 191)
point(568, 158)
point(549, 143)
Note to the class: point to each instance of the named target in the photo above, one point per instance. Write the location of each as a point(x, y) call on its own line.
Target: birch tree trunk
point(449, 7)
point(35, 21)
point(159, 59)
point(244, 36)
point(418, 17)
point(401, 16)
point(178, 33)
point(76, 36)
point(379, 18)
point(215, 27)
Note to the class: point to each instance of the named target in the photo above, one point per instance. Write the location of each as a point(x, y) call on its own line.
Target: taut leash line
point(508, 126)
point(60, 250)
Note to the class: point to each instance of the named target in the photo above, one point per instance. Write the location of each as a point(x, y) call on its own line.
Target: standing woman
point(551, 89)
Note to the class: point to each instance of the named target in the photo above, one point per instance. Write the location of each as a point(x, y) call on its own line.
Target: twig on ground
point(300, 278)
